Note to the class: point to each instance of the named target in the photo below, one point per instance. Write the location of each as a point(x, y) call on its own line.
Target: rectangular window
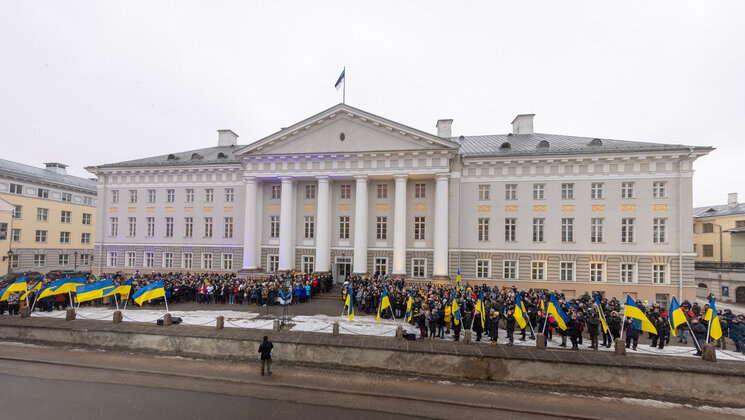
point(739, 223)
point(509, 269)
point(381, 227)
point(64, 260)
point(188, 227)
point(420, 190)
point(207, 227)
point(85, 238)
point(483, 229)
point(483, 192)
point(510, 192)
point(310, 227)
point(227, 261)
point(41, 236)
point(64, 237)
point(708, 250)
point(15, 235)
point(567, 230)
point(538, 191)
point(42, 193)
point(310, 192)
point(597, 271)
point(66, 216)
point(659, 189)
point(85, 259)
point(132, 196)
point(111, 259)
point(187, 260)
point(272, 263)
point(596, 230)
point(567, 191)
point(538, 225)
point(627, 231)
point(659, 273)
point(209, 195)
point(150, 196)
point(132, 222)
point(16, 189)
point(346, 191)
point(228, 227)
point(88, 201)
point(274, 226)
point(17, 212)
point(169, 227)
point(381, 266)
point(168, 260)
point(382, 190)
point(206, 261)
point(596, 190)
point(114, 224)
point(115, 196)
point(538, 270)
point(40, 260)
point(308, 264)
point(229, 195)
point(189, 196)
point(566, 271)
point(14, 261)
point(42, 215)
point(170, 195)
point(628, 273)
point(419, 267)
point(482, 269)
point(419, 228)
point(627, 190)
point(67, 197)
point(276, 192)
point(87, 218)
point(708, 227)
point(659, 233)
point(344, 227)
point(148, 259)
point(510, 229)
point(150, 227)
point(130, 259)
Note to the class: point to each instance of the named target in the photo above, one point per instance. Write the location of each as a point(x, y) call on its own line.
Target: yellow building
point(719, 232)
point(53, 218)
point(6, 218)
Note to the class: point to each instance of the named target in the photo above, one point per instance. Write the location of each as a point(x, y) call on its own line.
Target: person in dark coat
point(614, 326)
point(663, 332)
point(593, 329)
point(699, 334)
point(736, 334)
point(265, 348)
point(632, 334)
point(456, 329)
point(509, 325)
point(477, 327)
point(573, 328)
point(494, 326)
point(466, 322)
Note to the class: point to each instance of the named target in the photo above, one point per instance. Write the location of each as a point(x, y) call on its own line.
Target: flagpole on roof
point(344, 88)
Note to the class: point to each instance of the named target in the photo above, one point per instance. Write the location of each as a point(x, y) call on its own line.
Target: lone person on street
point(265, 348)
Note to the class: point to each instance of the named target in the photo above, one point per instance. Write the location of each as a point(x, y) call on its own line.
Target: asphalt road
point(63, 382)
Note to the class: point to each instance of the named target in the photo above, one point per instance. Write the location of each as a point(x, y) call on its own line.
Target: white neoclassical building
point(346, 191)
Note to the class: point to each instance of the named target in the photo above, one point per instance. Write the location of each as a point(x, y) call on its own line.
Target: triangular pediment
point(344, 129)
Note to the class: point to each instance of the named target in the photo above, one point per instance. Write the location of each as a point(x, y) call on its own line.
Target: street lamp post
point(10, 260)
point(75, 267)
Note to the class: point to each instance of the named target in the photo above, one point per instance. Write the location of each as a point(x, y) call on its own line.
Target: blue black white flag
point(340, 82)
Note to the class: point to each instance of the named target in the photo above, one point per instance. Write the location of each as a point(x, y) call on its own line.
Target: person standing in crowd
point(632, 334)
point(614, 326)
point(494, 326)
point(265, 348)
point(593, 329)
point(663, 331)
point(736, 334)
point(509, 325)
point(573, 328)
point(477, 327)
point(699, 334)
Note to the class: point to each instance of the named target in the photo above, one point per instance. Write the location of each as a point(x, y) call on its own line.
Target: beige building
point(347, 191)
point(54, 215)
point(719, 232)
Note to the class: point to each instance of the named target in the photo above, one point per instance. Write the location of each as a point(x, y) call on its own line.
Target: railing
point(734, 266)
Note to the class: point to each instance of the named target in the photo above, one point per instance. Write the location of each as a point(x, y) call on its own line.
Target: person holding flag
point(124, 289)
point(151, 291)
point(458, 287)
point(35, 288)
point(714, 327)
point(676, 318)
point(480, 311)
point(88, 292)
point(603, 321)
point(455, 310)
point(554, 309)
point(410, 305)
point(384, 303)
point(349, 304)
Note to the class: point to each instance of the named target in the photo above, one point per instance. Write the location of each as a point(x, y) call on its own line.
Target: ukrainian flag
point(17, 286)
point(123, 289)
point(70, 285)
point(633, 311)
point(51, 288)
point(519, 311)
point(715, 327)
point(35, 287)
point(554, 309)
point(92, 291)
point(457, 282)
point(676, 316)
point(601, 315)
point(349, 303)
point(151, 291)
point(456, 312)
point(480, 308)
point(542, 305)
point(384, 303)
point(410, 305)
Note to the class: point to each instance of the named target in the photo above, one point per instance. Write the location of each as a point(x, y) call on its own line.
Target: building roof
point(207, 156)
point(33, 174)
point(736, 230)
point(718, 211)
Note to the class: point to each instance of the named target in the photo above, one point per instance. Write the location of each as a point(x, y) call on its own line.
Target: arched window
point(596, 142)
point(543, 144)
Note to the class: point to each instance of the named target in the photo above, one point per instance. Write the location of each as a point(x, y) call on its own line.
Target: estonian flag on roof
point(340, 81)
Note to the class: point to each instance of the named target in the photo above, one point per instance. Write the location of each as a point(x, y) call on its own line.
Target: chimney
point(61, 169)
point(523, 124)
point(227, 138)
point(732, 199)
point(444, 128)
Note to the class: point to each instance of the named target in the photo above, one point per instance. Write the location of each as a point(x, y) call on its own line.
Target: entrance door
point(740, 294)
point(343, 266)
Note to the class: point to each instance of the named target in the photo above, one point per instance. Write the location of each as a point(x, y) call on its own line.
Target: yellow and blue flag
point(455, 309)
point(384, 303)
point(35, 287)
point(676, 316)
point(60, 286)
point(17, 286)
point(350, 303)
point(480, 307)
point(92, 291)
point(410, 305)
point(519, 311)
point(554, 309)
point(542, 305)
point(601, 315)
point(151, 291)
point(123, 289)
point(715, 327)
point(633, 311)
point(457, 282)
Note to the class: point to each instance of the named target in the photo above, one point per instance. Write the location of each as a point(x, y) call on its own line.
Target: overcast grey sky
point(92, 82)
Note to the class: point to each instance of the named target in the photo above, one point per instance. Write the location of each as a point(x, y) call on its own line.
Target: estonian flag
point(339, 82)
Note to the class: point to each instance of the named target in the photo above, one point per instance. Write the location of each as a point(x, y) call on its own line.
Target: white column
point(440, 268)
point(286, 234)
point(249, 224)
point(359, 265)
point(323, 248)
point(399, 227)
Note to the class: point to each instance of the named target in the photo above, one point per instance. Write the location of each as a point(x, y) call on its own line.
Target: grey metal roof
point(530, 144)
point(717, 211)
point(736, 230)
point(33, 174)
point(206, 156)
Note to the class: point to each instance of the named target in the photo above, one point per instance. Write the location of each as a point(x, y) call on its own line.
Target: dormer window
point(543, 144)
point(506, 145)
point(172, 157)
point(596, 142)
point(196, 156)
point(221, 155)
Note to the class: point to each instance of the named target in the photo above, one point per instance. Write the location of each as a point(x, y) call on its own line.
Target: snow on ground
point(360, 325)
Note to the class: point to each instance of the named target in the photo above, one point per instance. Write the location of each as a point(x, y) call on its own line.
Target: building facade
point(53, 221)
point(346, 191)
